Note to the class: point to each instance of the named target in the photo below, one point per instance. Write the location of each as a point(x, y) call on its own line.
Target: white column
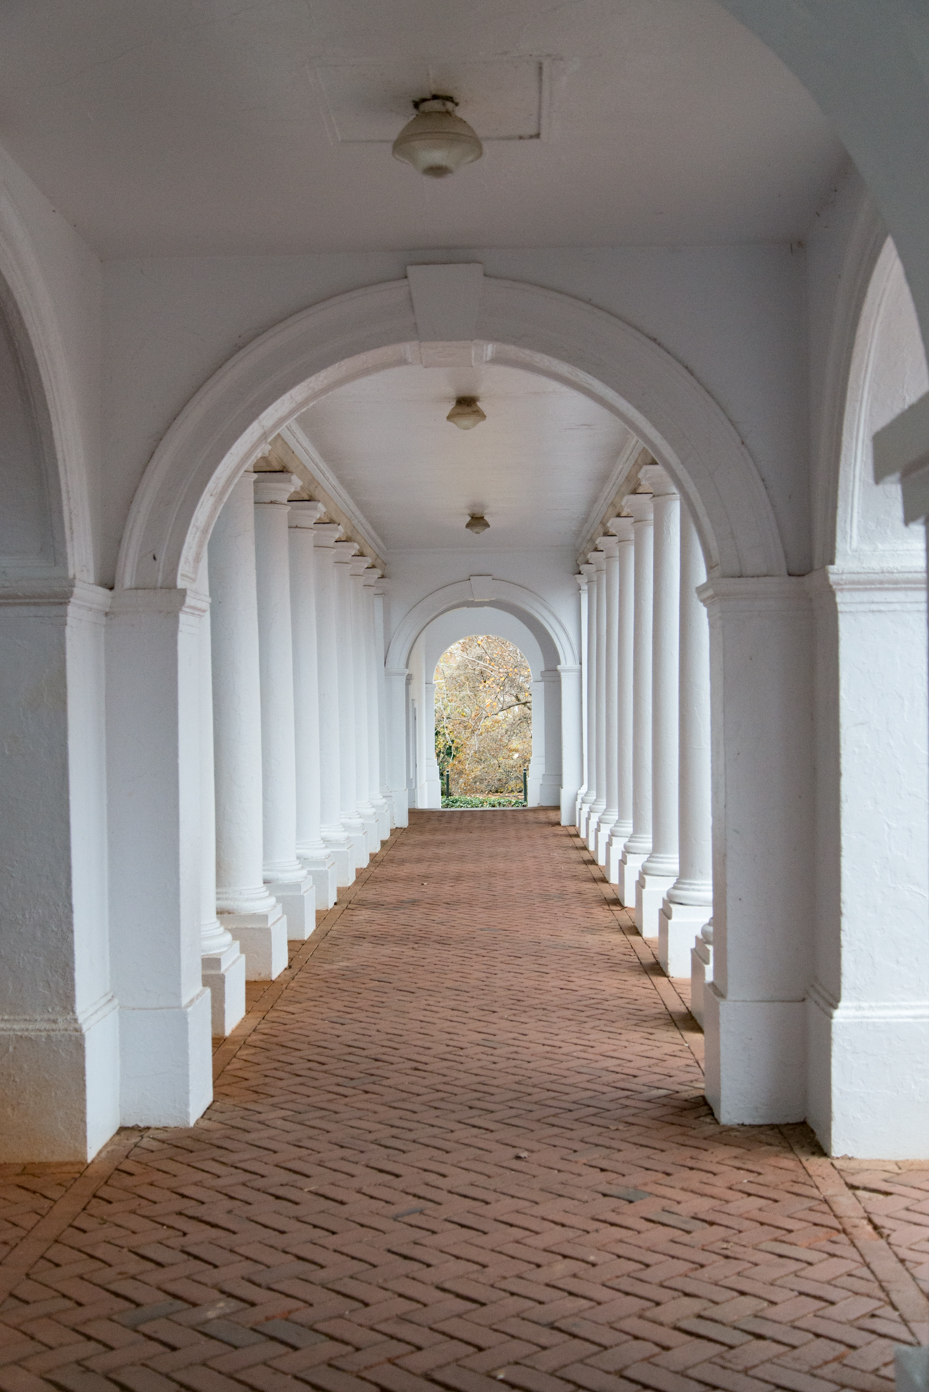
point(689, 902)
point(590, 700)
point(162, 1059)
point(598, 560)
point(312, 852)
point(550, 787)
point(536, 765)
point(763, 848)
point(701, 972)
point(386, 729)
point(609, 545)
point(433, 779)
point(398, 754)
point(352, 822)
point(660, 868)
point(868, 1005)
point(285, 877)
point(621, 830)
point(582, 598)
point(245, 906)
point(222, 964)
point(372, 658)
point(365, 807)
point(570, 734)
point(639, 844)
point(335, 838)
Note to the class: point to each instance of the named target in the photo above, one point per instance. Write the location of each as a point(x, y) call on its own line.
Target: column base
point(701, 974)
point(619, 835)
point(627, 877)
point(354, 829)
point(869, 1077)
point(549, 791)
point(320, 866)
point(755, 1060)
point(372, 832)
point(223, 975)
point(166, 1063)
point(340, 848)
point(298, 900)
point(262, 939)
point(583, 820)
point(603, 839)
point(650, 891)
point(382, 811)
point(60, 1098)
point(678, 925)
point(593, 822)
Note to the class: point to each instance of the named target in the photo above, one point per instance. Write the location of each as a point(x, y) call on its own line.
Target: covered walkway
point(462, 1141)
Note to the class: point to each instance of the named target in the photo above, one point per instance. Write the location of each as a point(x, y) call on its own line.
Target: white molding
point(459, 596)
point(624, 462)
point(303, 448)
point(866, 1011)
point(231, 420)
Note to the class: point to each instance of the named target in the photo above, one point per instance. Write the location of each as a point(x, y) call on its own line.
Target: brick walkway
point(462, 1143)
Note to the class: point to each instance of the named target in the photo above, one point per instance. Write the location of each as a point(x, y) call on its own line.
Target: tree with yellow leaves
point(483, 716)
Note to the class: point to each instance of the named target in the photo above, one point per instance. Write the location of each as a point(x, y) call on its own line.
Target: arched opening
point(483, 700)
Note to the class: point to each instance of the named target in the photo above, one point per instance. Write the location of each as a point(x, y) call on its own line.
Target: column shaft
point(335, 837)
point(362, 725)
point(245, 906)
point(582, 600)
point(621, 829)
point(312, 852)
point(689, 902)
point(352, 822)
point(590, 700)
point(610, 546)
point(373, 659)
point(660, 868)
point(639, 844)
point(598, 559)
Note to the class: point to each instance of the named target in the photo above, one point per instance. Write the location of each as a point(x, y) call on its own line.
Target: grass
point(491, 800)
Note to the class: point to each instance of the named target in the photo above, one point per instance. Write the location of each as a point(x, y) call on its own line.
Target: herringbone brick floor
point(462, 1143)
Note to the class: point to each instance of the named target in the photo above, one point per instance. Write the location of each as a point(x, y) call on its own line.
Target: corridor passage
point(462, 1143)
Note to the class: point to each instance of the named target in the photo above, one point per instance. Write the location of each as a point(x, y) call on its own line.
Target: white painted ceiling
point(536, 465)
point(175, 127)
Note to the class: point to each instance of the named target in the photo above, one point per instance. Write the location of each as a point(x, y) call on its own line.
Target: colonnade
point(291, 760)
point(645, 806)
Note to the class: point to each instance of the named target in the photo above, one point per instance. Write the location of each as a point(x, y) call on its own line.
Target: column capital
point(326, 534)
point(587, 570)
point(275, 488)
point(621, 527)
point(639, 506)
point(597, 558)
point(655, 479)
point(345, 550)
point(360, 564)
point(609, 545)
point(305, 514)
point(581, 581)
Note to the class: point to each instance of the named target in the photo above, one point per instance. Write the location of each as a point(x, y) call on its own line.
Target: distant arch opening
point(483, 723)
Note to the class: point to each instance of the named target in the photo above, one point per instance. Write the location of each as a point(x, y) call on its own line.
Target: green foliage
point(493, 800)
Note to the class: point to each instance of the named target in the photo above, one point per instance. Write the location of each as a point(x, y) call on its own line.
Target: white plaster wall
point(733, 315)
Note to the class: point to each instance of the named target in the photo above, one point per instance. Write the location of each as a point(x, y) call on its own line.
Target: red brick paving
point(462, 1143)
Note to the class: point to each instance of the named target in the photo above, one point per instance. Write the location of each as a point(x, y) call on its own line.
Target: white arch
point(67, 473)
point(455, 624)
point(231, 419)
point(538, 616)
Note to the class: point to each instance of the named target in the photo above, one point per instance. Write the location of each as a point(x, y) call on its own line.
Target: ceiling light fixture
point(466, 413)
point(436, 141)
point(477, 523)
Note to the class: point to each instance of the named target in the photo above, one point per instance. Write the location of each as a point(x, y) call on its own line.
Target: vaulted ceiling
point(216, 126)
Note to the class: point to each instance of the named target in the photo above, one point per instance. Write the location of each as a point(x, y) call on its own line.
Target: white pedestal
point(180, 1087)
point(224, 978)
point(678, 926)
point(339, 846)
point(298, 900)
point(755, 1060)
point(262, 937)
point(627, 877)
point(650, 891)
point(322, 870)
point(701, 972)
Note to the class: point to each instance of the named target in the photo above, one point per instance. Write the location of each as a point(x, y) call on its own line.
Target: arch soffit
point(232, 418)
point(454, 624)
point(65, 480)
point(523, 603)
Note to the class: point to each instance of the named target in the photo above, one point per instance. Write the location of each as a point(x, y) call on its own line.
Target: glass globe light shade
point(436, 141)
point(477, 523)
point(466, 413)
